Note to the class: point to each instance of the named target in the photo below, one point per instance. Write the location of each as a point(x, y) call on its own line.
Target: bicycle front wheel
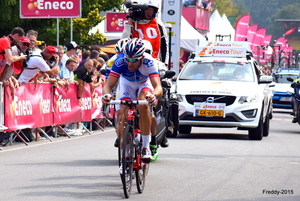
point(141, 176)
point(127, 160)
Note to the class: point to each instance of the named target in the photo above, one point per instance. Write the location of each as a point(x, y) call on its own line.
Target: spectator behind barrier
point(67, 72)
point(37, 62)
point(60, 53)
point(6, 57)
point(94, 55)
point(70, 53)
point(32, 35)
point(84, 75)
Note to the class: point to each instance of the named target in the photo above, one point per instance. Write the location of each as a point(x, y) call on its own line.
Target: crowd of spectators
point(22, 60)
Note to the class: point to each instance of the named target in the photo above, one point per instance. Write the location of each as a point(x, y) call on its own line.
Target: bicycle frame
point(133, 160)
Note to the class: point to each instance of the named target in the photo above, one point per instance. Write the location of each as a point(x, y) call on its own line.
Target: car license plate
point(285, 99)
point(209, 109)
point(212, 113)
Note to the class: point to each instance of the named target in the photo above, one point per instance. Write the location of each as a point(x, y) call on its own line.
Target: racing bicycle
point(130, 163)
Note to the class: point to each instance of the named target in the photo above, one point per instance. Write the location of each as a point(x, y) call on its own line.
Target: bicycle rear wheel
point(127, 160)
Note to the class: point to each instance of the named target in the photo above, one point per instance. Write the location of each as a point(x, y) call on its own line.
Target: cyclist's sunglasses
point(132, 60)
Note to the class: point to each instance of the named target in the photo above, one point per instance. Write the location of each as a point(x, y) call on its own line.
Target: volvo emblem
point(210, 99)
point(171, 2)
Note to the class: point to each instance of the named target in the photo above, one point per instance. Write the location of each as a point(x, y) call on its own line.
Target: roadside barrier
point(46, 105)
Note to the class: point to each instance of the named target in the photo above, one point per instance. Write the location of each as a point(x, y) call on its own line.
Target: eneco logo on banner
point(50, 8)
point(115, 22)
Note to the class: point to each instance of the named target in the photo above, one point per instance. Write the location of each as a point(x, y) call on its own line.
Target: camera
point(27, 59)
point(137, 10)
point(53, 58)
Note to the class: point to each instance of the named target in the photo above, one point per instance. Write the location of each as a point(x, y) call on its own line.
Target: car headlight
point(179, 98)
point(248, 99)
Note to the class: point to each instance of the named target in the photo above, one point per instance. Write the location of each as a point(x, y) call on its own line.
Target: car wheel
point(257, 133)
point(271, 111)
point(266, 126)
point(185, 129)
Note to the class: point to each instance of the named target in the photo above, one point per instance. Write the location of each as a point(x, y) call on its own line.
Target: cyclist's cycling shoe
point(116, 142)
point(154, 153)
point(164, 143)
point(146, 155)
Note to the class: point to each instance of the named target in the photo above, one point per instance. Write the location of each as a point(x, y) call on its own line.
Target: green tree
point(230, 9)
point(9, 18)
point(289, 12)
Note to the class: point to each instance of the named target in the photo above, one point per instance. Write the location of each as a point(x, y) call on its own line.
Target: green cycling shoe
point(153, 149)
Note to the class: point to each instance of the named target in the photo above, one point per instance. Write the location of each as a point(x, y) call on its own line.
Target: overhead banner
point(115, 22)
point(50, 8)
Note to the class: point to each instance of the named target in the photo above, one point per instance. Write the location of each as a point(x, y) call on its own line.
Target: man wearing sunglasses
point(138, 80)
point(24, 47)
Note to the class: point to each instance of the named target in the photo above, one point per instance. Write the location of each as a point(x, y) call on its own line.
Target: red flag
point(279, 46)
point(266, 43)
point(290, 31)
point(257, 41)
point(267, 40)
point(250, 34)
point(242, 27)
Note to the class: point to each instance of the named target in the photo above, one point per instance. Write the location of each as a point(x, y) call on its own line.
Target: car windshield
point(197, 70)
point(281, 78)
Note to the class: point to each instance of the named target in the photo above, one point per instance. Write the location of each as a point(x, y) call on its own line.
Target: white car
point(224, 91)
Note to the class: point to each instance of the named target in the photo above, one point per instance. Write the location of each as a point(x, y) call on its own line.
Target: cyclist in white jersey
point(138, 79)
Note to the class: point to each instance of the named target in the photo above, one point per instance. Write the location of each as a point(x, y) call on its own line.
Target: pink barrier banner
point(97, 103)
point(202, 19)
point(242, 27)
point(29, 107)
point(66, 107)
point(44, 105)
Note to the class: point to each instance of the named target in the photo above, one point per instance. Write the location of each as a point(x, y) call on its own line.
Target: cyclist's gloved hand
point(151, 98)
point(106, 98)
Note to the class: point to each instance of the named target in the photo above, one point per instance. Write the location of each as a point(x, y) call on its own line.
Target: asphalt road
point(209, 164)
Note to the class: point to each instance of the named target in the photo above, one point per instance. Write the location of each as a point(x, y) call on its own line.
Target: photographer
point(38, 62)
point(23, 49)
point(141, 19)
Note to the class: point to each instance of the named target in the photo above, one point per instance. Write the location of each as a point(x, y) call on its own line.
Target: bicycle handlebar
point(126, 102)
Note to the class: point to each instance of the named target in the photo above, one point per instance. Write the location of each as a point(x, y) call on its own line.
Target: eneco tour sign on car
point(234, 49)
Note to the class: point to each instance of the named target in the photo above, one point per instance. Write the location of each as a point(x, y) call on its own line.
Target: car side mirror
point(290, 79)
